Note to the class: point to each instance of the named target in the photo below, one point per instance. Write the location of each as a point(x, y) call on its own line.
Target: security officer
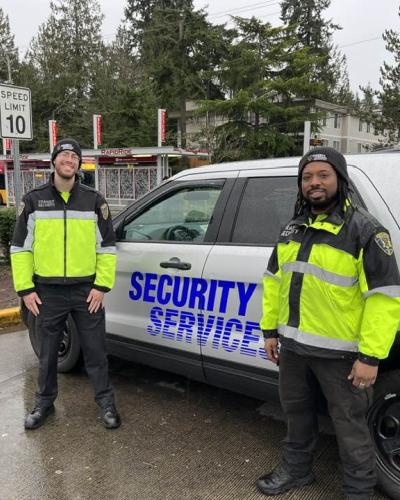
point(331, 309)
point(63, 261)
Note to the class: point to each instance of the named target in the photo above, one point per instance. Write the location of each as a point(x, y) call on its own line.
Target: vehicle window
point(183, 216)
point(267, 205)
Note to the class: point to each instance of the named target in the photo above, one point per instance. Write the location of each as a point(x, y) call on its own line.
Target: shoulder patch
point(105, 211)
point(384, 242)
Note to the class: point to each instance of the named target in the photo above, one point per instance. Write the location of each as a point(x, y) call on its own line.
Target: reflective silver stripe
point(106, 250)
point(49, 214)
point(271, 275)
point(28, 242)
point(19, 249)
point(390, 291)
point(315, 340)
point(71, 214)
point(329, 277)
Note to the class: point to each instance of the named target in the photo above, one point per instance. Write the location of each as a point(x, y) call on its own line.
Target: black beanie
point(329, 155)
point(66, 145)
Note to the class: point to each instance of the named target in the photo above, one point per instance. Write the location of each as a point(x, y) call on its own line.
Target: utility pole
point(183, 92)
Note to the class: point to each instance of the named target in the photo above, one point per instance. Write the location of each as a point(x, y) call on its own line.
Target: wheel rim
point(384, 423)
point(65, 342)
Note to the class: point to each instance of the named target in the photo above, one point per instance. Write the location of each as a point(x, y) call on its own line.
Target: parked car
point(191, 256)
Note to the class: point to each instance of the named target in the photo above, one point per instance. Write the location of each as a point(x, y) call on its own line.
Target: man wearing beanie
point(63, 262)
point(331, 309)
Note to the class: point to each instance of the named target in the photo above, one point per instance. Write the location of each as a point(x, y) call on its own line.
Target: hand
point(271, 348)
point(32, 301)
point(363, 375)
point(95, 300)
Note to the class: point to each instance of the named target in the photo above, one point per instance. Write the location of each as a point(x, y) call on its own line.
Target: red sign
point(99, 125)
point(7, 145)
point(54, 132)
point(163, 121)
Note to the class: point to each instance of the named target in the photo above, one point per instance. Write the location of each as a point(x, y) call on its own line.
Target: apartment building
point(339, 128)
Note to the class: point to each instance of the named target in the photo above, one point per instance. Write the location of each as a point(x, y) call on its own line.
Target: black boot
point(37, 416)
point(279, 480)
point(111, 419)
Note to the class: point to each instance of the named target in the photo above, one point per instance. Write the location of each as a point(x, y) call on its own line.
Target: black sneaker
point(279, 481)
point(111, 418)
point(37, 416)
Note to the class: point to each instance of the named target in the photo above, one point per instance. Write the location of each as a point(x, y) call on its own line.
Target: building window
point(368, 127)
point(359, 148)
point(325, 143)
point(337, 121)
point(336, 145)
point(360, 126)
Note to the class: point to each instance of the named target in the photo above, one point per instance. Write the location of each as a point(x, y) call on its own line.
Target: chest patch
point(384, 242)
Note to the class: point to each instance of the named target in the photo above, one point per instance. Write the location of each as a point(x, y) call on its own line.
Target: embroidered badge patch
point(384, 243)
point(105, 211)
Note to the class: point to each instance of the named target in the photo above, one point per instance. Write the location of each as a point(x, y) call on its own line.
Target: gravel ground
point(8, 297)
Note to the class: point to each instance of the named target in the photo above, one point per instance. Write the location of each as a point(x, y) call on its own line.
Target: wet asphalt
point(179, 439)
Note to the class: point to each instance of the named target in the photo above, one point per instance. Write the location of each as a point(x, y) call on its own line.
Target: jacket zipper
point(65, 240)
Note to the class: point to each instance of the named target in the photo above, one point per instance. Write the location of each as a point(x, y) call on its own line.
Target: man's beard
point(322, 204)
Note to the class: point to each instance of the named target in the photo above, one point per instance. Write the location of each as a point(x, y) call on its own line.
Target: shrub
point(7, 224)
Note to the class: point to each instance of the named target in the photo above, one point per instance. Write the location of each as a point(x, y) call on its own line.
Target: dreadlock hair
point(344, 193)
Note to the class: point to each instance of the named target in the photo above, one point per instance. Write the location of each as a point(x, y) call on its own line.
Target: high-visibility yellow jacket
point(332, 287)
point(58, 242)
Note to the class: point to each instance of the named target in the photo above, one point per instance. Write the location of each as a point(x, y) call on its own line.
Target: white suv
point(191, 257)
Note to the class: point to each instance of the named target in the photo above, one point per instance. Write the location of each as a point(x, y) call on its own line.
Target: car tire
point(384, 424)
point(69, 353)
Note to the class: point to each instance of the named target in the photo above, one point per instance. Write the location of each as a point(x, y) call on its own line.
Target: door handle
point(176, 263)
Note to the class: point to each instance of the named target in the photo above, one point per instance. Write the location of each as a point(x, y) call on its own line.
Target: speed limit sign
point(15, 112)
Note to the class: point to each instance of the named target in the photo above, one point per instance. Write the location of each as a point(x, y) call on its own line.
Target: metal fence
point(119, 185)
point(122, 185)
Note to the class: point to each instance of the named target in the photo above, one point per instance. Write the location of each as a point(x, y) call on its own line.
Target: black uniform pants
point(57, 302)
point(347, 406)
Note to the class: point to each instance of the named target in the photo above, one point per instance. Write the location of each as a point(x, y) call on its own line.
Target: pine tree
point(62, 63)
point(389, 94)
point(178, 51)
point(269, 82)
point(314, 32)
point(9, 63)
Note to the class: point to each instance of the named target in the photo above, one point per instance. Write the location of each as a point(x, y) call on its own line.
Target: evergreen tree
point(388, 96)
point(314, 32)
point(62, 65)
point(269, 81)
point(9, 63)
point(124, 98)
point(178, 51)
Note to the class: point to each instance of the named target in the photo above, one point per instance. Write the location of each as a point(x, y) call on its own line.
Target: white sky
point(363, 22)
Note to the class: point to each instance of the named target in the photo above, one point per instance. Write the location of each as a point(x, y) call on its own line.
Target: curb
point(11, 316)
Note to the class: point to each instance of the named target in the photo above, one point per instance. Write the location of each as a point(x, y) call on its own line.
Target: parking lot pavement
point(179, 439)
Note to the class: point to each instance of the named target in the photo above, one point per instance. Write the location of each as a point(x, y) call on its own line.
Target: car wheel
point(69, 352)
point(384, 424)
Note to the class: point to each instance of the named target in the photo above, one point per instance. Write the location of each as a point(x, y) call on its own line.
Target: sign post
point(16, 123)
point(161, 119)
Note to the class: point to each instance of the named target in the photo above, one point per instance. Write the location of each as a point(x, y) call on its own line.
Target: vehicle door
point(162, 244)
point(261, 203)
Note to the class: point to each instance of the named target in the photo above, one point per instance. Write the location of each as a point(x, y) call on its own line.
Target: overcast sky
point(363, 22)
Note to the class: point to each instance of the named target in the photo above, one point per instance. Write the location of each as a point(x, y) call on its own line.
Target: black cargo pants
point(347, 406)
point(57, 302)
